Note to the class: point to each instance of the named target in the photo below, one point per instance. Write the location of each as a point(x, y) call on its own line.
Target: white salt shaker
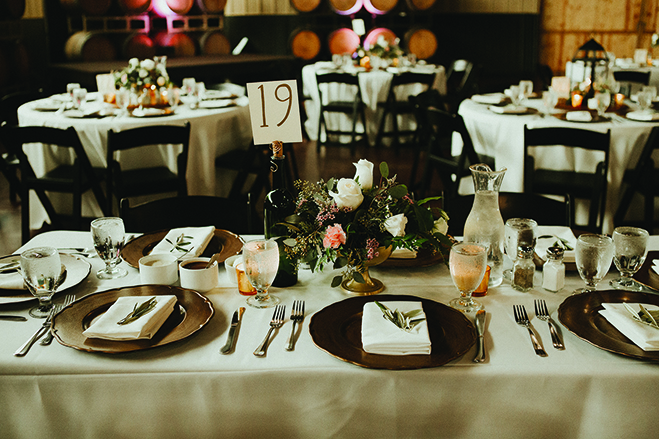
point(553, 272)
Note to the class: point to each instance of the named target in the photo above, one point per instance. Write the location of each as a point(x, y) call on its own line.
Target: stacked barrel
point(14, 61)
point(310, 42)
point(104, 30)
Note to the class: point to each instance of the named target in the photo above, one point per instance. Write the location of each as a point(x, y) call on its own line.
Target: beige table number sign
point(275, 111)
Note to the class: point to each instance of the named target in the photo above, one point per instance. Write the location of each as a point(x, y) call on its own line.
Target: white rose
point(440, 226)
point(143, 73)
point(133, 63)
point(396, 224)
point(147, 64)
point(350, 194)
point(365, 173)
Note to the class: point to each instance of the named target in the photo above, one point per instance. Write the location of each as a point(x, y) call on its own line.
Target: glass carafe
point(484, 225)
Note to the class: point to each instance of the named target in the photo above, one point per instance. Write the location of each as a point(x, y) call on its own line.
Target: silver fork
point(68, 300)
point(276, 323)
point(523, 319)
point(542, 313)
point(45, 327)
point(297, 315)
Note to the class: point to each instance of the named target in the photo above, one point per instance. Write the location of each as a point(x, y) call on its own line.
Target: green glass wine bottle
point(280, 203)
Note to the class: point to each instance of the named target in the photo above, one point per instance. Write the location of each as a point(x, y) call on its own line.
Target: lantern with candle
point(589, 63)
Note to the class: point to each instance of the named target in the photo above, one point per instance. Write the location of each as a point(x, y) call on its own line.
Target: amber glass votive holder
point(482, 288)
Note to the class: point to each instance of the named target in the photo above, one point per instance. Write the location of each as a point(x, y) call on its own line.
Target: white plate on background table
point(152, 112)
point(47, 105)
point(218, 103)
point(77, 270)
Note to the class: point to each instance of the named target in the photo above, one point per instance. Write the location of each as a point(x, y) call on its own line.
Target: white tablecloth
point(188, 389)
point(374, 86)
point(502, 137)
point(213, 132)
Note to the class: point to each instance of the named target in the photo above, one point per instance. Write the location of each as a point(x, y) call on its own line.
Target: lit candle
point(577, 100)
point(619, 99)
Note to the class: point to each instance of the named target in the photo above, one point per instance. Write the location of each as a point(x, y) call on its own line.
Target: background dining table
point(213, 131)
point(188, 389)
point(502, 136)
point(374, 85)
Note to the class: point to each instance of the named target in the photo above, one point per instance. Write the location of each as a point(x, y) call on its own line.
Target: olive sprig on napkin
point(404, 321)
point(138, 311)
point(644, 316)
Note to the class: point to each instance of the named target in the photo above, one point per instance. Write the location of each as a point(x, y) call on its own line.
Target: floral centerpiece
point(352, 222)
point(148, 78)
point(382, 49)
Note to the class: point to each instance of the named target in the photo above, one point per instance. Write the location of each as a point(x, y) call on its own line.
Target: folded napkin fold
point(655, 265)
point(643, 336)
point(547, 237)
point(489, 98)
point(579, 116)
point(508, 109)
point(403, 253)
point(106, 327)
point(644, 116)
point(12, 281)
point(380, 336)
point(185, 242)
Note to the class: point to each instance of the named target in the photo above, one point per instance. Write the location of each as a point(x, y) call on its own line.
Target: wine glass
point(603, 102)
point(79, 98)
point(467, 263)
point(549, 100)
point(526, 88)
point(261, 261)
point(518, 231)
point(644, 100)
point(630, 247)
point(515, 95)
point(41, 269)
point(651, 89)
point(594, 254)
point(122, 100)
point(108, 235)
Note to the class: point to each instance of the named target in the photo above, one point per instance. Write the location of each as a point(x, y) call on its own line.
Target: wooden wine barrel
point(87, 7)
point(181, 7)
point(176, 44)
point(12, 9)
point(379, 7)
point(343, 41)
point(89, 46)
point(138, 45)
point(211, 6)
point(346, 7)
point(420, 5)
point(373, 35)
point(214, 42)
point(134, 7)
point(420, 42)
point(305, 44)
point(305, 5)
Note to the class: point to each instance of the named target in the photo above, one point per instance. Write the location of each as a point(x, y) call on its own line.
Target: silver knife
point(235, 324)
point(480, 327)
point(13, 318)
point(45, 327)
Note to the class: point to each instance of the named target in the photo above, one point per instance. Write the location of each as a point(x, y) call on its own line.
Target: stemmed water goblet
point(467, 263)
point(549, 100)
point(41, 270)
point(630, 247)
point(644, 100)
point(603, 102)
point(108, 236)
point(515, 95)
point(525, 88)
point(593, 255)
point(79, 98)
point(518, 231)
point(261, 261)
point(122, 98)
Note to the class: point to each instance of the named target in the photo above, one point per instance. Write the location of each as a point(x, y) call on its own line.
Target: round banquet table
point(502, 136)
point(213, 132)
point(374, 86)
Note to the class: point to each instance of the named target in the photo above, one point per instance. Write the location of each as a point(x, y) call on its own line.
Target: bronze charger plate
point(337, 330)
point(580, 315)
point(596, 118)
point(646, 275)
point(191, 313)
point(224, 242)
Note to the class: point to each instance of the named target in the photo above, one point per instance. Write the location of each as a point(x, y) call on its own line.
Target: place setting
point(515, 95)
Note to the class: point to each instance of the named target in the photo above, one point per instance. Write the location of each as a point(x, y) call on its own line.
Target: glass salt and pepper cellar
point(524, 269)
point(553, 272)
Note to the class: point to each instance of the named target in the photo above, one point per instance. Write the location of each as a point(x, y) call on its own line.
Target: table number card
point(275, 112)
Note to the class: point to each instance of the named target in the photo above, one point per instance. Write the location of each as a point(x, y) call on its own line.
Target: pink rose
point(334, 236)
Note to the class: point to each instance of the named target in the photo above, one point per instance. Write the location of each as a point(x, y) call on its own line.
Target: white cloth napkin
point(655, 265)
point(543, 244)
point(199, 239)
point(146, 326)
point(508, 109)
point(643, 336)
point(403, 253)
point(643, 116)
point(579, 116)
point(380, 336)
point(489, 98)
point(12, 281)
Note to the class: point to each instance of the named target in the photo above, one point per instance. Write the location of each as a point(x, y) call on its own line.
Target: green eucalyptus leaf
point(337, 281)
point(384, 170)
point(357, 276)
point(398, 191)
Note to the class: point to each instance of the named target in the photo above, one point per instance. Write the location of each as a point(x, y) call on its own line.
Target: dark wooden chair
point(74, 179)
point(398, 104)
point(148, 180)
point(642, 180)
point(629, 79)
point(580, 185)
point(354, 108)
point(251, 168)
point(189, 211)
point(546, 211)
point(461, 82)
